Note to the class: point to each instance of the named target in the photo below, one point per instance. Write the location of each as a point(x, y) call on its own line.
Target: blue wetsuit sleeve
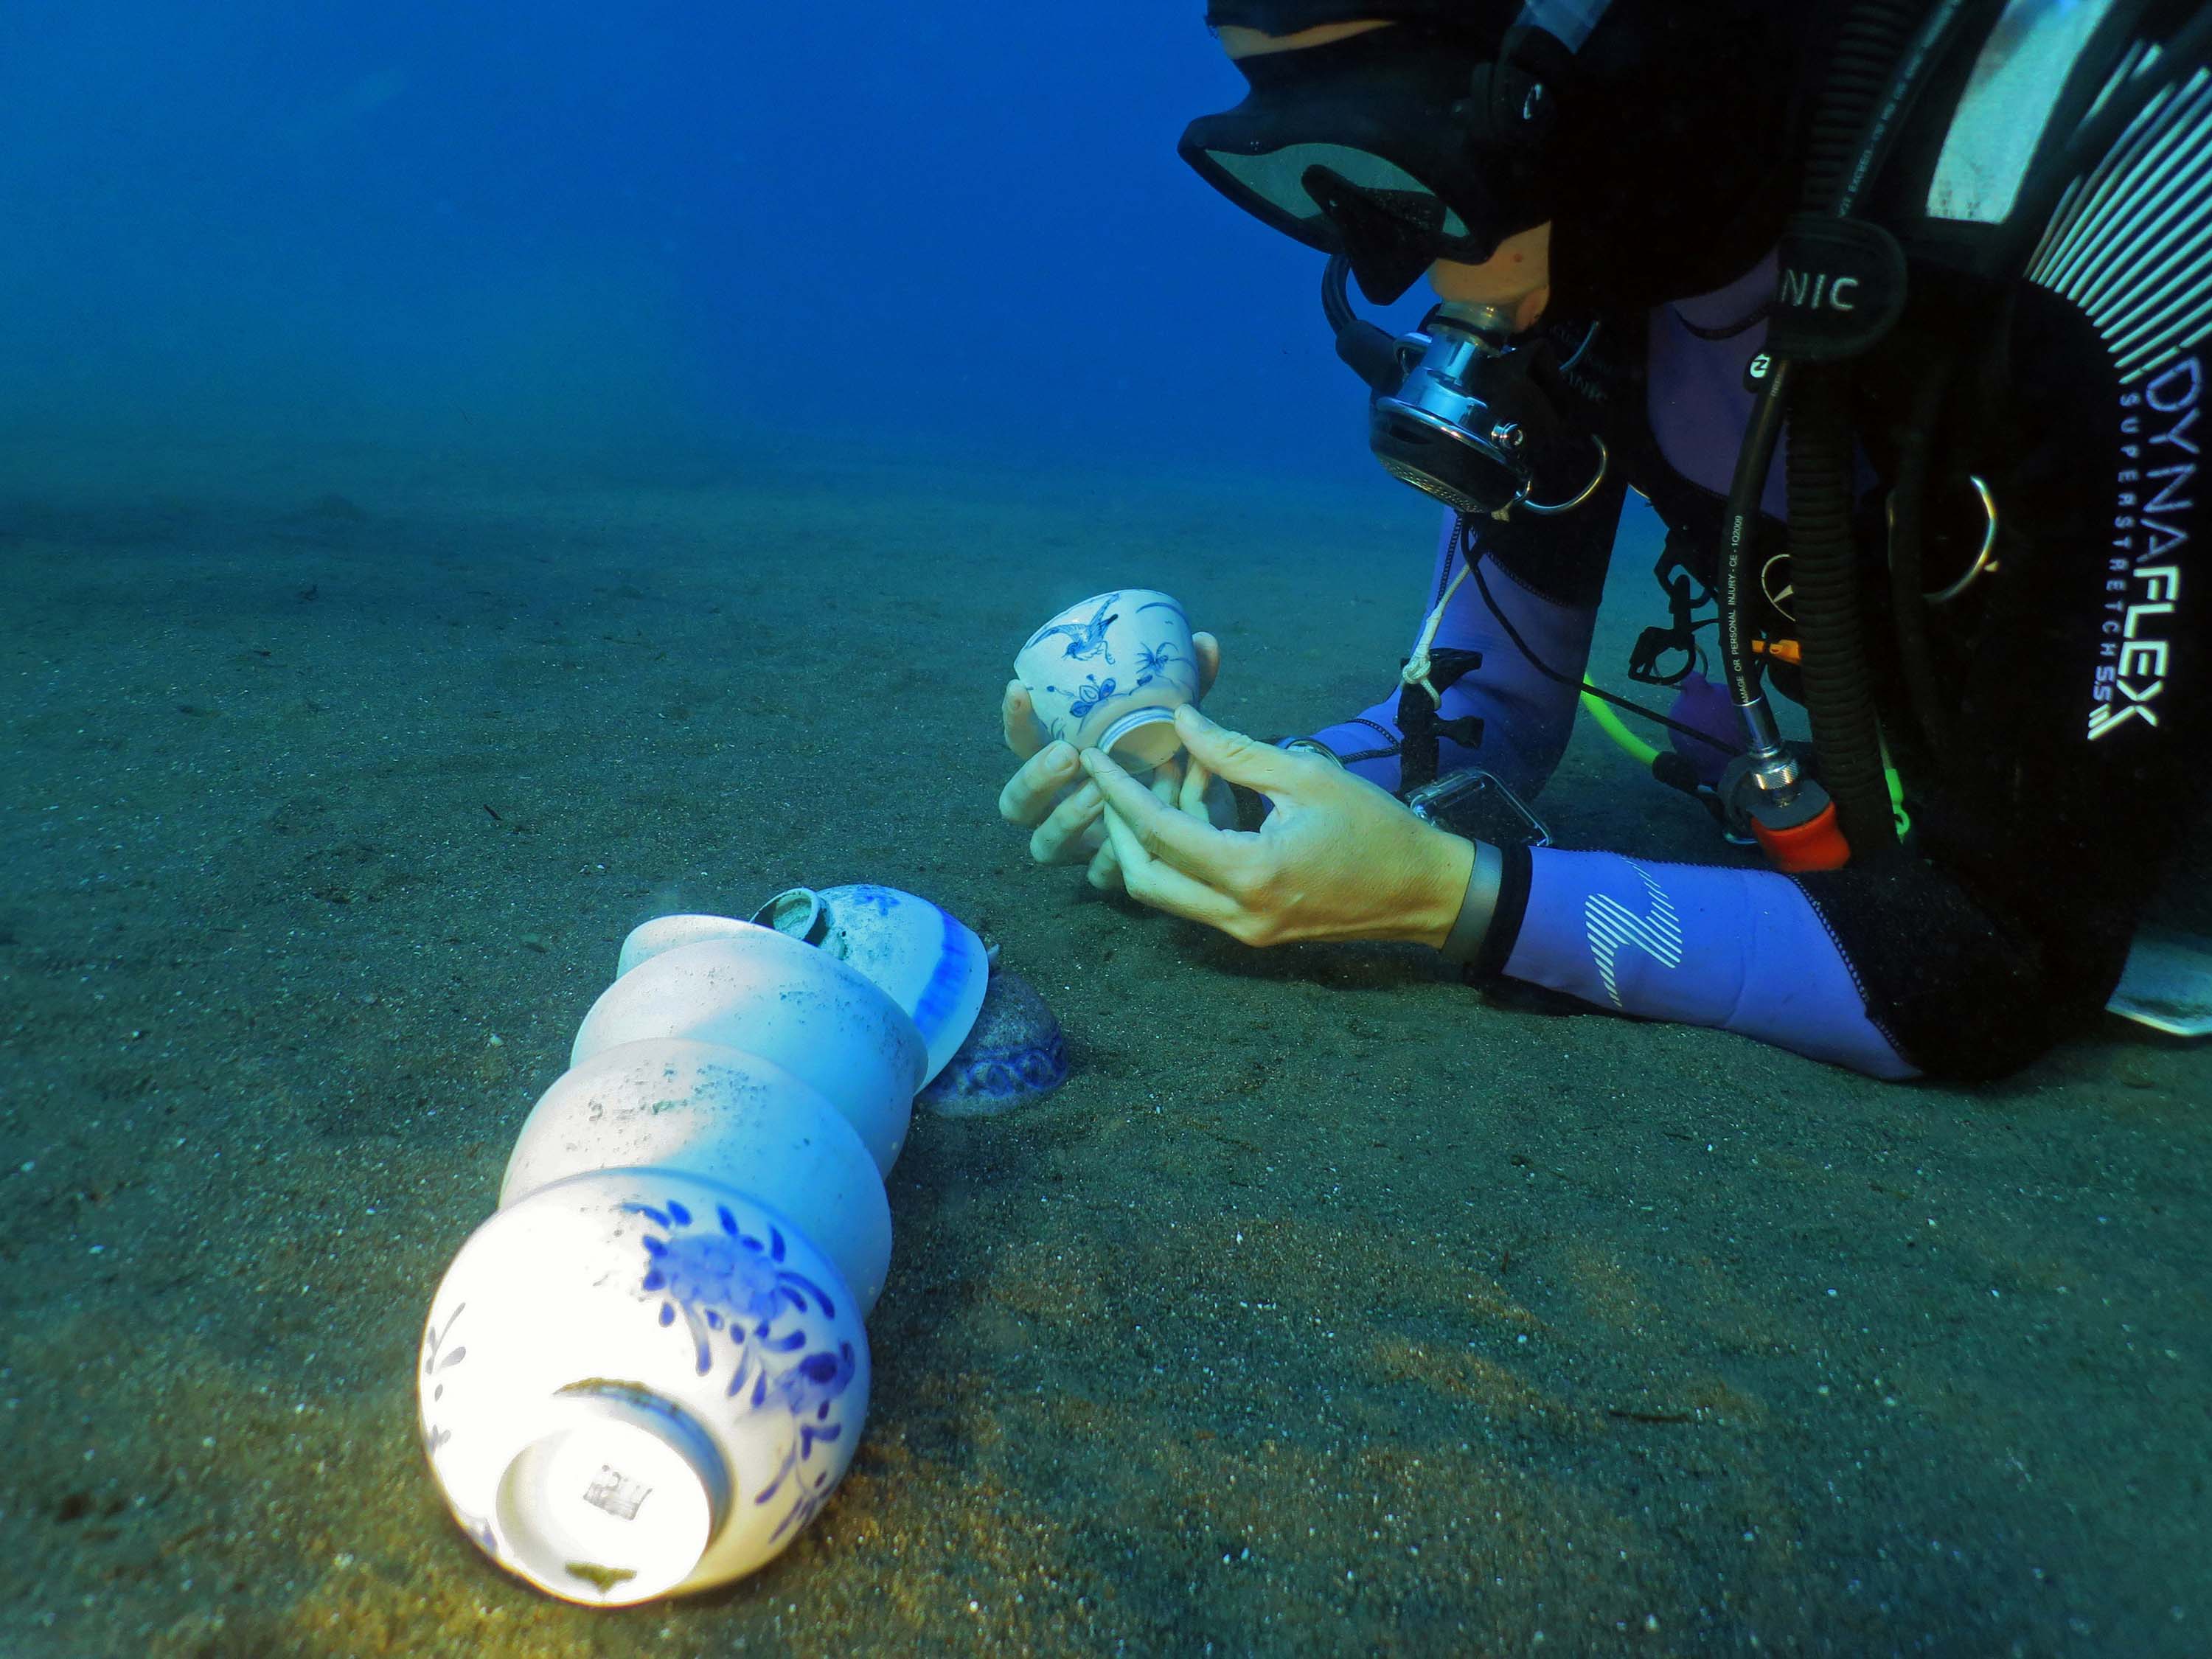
point(1741, 949)
point(1526, 717)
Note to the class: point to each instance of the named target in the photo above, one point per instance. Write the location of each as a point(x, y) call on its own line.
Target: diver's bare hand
point(1050, 796)
point(1338, 859)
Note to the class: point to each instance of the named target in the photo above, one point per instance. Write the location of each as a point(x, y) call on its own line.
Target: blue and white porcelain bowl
point(924, 958)
point(637, 1383)
point(799, 1007)
point(1110, 672)
point(664, 933)
point(670, 1103)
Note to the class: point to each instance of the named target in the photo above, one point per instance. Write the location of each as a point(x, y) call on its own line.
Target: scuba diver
point(1896, 311)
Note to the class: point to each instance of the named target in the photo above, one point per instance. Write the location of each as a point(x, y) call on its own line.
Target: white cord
point(1418, 666)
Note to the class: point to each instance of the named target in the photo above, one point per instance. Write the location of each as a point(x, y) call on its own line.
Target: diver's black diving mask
point(1394, 148)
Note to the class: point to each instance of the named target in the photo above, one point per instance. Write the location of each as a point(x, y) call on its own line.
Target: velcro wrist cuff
point(1478, 907)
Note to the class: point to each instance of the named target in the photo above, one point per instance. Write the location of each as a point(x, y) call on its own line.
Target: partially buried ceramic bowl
point(801, 1009)
point(1015, 1054)
point(921, 956)
point(925, 959)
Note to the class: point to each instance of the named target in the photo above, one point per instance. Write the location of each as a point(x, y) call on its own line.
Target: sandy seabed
point(1331, 1308)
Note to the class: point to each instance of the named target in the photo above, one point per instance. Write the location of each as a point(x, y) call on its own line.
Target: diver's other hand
point(1049, 795)
point(1074, 831)
point(1338, 859)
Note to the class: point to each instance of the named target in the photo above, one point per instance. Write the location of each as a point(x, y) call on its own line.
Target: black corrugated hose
point(1824, 554)
point(1823, 572)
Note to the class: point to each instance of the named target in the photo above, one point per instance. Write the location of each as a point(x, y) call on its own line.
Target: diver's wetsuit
point(2075, 674)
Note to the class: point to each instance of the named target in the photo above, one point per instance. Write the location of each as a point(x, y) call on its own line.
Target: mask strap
point(1512, 90)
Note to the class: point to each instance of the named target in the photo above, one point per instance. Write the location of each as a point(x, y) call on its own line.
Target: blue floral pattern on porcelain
point(1091, 693)
point(773, 1332)
point(736, 1289)
point(882, 900)
point(1015, 1053)
point(437, 1359)
point(1106, 659)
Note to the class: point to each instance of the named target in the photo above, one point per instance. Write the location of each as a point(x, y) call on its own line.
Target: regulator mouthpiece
point(1454, 413)
point(1447, 430)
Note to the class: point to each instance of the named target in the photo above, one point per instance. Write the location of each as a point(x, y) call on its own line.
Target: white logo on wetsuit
point(1611, 925)
point(2143, 572)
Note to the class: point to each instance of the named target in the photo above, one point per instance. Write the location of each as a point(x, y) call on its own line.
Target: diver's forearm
point(1741, 949)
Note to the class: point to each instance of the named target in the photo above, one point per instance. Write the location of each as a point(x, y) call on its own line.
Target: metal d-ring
point(1604, 462)
point(1985, 561)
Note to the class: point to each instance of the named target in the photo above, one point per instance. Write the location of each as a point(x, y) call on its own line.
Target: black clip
point(1685, 594)
point(1421, 725)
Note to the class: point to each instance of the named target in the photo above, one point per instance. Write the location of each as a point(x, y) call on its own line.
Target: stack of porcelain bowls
point(648, 1371)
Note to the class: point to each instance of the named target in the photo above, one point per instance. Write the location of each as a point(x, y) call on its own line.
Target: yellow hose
point(1644, 755)
point(1610, 723)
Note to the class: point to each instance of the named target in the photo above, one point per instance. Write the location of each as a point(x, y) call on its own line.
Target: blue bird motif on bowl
point(1087, 639)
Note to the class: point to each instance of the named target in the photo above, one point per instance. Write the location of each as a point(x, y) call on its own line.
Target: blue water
point(951, 227)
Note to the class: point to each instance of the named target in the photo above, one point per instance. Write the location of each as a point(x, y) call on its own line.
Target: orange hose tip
point(1816, 844)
